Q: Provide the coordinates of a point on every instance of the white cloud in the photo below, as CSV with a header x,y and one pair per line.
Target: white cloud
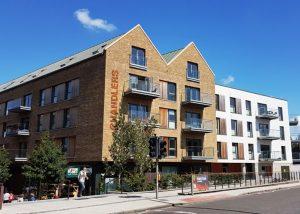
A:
x,y
83,16
228,80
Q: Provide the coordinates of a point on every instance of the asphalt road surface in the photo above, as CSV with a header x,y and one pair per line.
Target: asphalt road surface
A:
x,y
285,201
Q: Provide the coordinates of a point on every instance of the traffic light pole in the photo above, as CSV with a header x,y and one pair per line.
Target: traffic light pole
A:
x,y
157,151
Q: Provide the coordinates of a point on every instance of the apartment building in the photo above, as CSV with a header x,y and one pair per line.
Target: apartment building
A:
x,y
76,99
253,132
295,140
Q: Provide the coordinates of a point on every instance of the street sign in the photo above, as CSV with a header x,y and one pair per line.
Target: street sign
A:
x,y
201,182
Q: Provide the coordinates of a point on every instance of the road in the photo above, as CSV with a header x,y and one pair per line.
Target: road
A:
x,y
285,201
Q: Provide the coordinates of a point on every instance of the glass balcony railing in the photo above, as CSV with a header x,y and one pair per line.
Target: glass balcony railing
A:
x,y
21,129
195,124
268,134
295,137
203,100
198,152
145,88
270,156
267,113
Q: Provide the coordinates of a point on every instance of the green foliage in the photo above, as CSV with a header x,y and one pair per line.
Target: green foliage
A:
x,y
168,181
135,182
225,178
130,144
47,163
4,165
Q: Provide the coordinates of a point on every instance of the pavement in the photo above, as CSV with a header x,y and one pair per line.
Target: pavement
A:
x,y
133,202
283,201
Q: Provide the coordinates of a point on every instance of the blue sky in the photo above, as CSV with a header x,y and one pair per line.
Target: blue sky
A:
x,y
253,42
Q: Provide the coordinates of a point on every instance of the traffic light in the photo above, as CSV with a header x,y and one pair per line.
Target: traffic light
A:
x,y
162,149
152,147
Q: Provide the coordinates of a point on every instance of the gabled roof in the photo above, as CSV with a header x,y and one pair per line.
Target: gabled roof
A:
x,y
66,62
171,55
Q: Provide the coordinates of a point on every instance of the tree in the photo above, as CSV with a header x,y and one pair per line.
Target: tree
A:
x,y
47,163
130,144
4,165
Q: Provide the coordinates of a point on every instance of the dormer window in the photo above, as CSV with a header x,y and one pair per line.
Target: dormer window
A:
x,y
138,58
192,72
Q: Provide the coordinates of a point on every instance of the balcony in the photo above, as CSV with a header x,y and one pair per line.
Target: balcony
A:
x,y
198,153
205,100
268,156
265,113
17,130
295,138
294,120
20,109
198,125
144,117
18,155
268,134
142,89
296,157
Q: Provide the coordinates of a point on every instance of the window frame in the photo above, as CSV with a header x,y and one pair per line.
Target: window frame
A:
x,y
248,108
134,58
236,127
190,71
233,109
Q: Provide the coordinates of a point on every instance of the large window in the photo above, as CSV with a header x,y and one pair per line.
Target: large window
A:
x,y
192,71
168,90
72,89
280,113
249,129
27,100
192,120
138,112
172,147
248,108
194,147
235,154
67,146
12,104
67,118
282,135
53,120
167,118
138,56
233,127
283,153
251,151
262,109
192,94
232,105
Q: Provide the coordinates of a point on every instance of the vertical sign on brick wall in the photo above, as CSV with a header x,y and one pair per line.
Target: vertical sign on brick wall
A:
x,y
114,98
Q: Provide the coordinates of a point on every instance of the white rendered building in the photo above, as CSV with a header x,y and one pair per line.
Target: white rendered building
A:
x,y
253,132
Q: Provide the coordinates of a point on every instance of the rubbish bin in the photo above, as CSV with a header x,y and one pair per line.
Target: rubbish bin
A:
x,y
1,195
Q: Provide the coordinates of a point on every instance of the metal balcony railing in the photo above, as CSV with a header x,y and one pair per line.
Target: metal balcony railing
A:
x,y
270,156
295,138
18,154
21,129
145,88
266,113
268,134
198,153
204,100
198,125
140,63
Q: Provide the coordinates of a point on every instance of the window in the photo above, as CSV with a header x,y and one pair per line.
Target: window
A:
x,y
45,96
42,97
192,120
220,102
171,91
251,151
172,147
233,127
2,109
53,120
235,151
12,104
283,153
249,129
65,144
282,136
43,122
138,56
3,129
262,109
138,112
168,90
71,89
68,146
232,105
192,94
222,150
24,123
54,96
167,118
192,71
280,113
194,147
218,125
248,108
27,100
67,118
